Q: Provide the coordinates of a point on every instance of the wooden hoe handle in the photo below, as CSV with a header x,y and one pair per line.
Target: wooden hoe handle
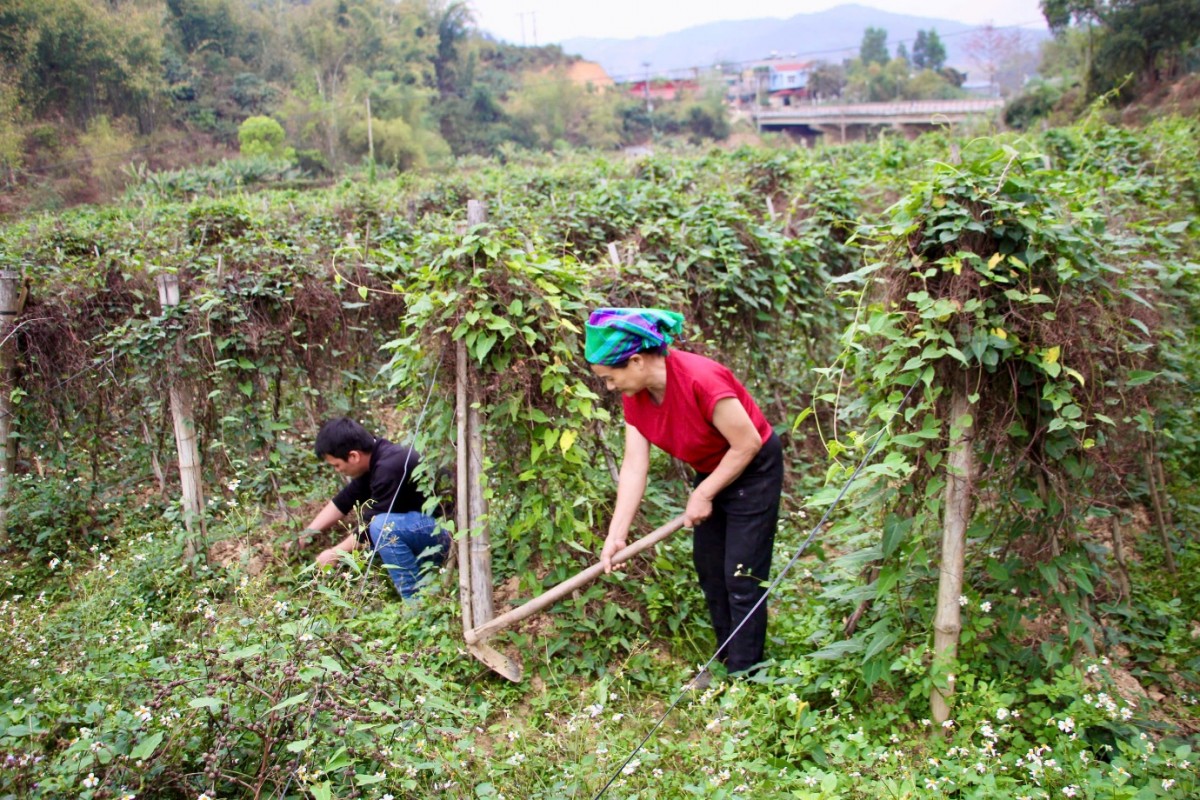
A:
x,y
551,596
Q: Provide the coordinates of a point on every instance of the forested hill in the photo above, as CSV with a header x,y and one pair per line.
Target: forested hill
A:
x,y
95,94
94,82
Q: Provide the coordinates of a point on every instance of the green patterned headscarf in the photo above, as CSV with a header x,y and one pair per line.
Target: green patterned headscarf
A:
x,y
615,334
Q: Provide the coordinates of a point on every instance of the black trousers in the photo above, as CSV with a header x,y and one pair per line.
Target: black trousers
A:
x,y
732,553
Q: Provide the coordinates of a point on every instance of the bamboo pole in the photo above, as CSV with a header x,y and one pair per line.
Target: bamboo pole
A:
x,y
186,443
462,510
480,544
9,287
960,471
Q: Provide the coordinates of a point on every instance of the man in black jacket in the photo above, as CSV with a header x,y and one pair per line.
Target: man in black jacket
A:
x,y
383,489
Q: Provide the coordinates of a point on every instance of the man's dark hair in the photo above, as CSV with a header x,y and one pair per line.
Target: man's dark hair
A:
x,y
338,437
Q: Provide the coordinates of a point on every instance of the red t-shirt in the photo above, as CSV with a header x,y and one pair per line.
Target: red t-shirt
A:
x,y
683,425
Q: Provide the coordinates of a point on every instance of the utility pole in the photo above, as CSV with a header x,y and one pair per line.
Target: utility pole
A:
x,y
532,22
646,86
370,132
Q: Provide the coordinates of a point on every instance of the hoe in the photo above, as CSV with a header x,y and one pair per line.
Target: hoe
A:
x,y
510,668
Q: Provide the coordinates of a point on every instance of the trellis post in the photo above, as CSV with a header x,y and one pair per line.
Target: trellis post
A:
x,y
186,444
480,544
10,283
960,479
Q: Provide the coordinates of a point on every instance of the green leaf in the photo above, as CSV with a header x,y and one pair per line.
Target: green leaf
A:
x,y
211,703
1139,376
322,791
836,650
300,746
243,653
895,529
483,345
363,779
879,644
338,760
145,748
291,701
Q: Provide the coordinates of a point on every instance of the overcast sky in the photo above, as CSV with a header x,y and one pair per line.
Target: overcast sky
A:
x,y
554,20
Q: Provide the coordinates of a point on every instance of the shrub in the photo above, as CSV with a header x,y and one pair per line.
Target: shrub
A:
x,y
262,136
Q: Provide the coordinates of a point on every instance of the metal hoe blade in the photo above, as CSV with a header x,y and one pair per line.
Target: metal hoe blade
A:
x,y
496,661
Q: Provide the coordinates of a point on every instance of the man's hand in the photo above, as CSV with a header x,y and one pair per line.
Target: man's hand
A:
x,y
302,540
699,508
613,544
329,557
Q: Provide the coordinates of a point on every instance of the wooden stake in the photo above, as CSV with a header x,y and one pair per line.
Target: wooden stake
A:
x,y
960,471
155,466
480,544
10,284
613,255
462,511
1156,501
190,475
1118,538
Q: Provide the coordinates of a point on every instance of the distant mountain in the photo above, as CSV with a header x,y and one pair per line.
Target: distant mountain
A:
x,y
830,35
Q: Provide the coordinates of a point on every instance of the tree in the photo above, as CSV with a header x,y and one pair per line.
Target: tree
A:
x,y
928,51
550,110
902,53
874,47
826,80
1148,38
453,22
991,49
261,136
877,83
205,24
10,126
930,85
1060,14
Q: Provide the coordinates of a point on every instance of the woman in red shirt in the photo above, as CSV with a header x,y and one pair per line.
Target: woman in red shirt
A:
x,y
696,410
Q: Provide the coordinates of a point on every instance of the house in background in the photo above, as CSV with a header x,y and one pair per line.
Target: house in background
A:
x,y
787,82
774,82
661,89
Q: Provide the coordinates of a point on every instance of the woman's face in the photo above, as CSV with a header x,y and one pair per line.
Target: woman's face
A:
x,y
628,379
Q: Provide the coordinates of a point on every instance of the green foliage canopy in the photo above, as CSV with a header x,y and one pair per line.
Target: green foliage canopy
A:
x,y
261,136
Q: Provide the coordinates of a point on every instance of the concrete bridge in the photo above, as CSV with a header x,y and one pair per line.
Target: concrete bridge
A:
x,y
853,121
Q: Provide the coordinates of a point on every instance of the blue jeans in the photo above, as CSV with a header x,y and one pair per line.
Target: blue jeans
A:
x,y
406,544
